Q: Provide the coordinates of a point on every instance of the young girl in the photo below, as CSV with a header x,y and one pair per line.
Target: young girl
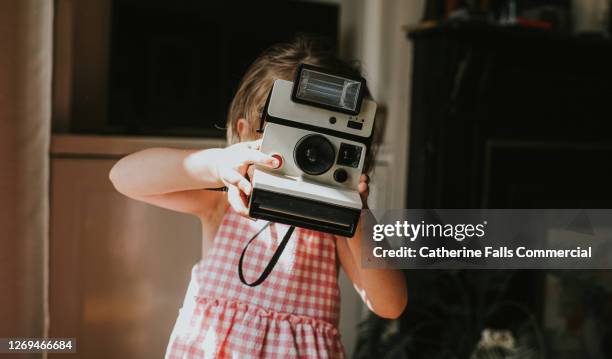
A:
x,y
294,313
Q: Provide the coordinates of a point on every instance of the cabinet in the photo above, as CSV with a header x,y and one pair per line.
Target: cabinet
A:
x,y
509,118
118,268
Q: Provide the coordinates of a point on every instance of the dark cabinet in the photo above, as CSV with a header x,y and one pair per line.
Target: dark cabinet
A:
x,y
506,118
510,118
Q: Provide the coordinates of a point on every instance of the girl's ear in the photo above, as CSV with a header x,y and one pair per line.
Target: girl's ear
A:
x,y
243,129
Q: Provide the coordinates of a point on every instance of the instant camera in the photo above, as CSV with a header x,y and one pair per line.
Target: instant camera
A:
x,y
319,127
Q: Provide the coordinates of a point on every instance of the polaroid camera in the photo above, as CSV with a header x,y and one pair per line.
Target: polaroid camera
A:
x,y
319,127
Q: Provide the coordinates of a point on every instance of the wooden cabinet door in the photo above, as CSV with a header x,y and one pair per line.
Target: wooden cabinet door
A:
x,y
118,268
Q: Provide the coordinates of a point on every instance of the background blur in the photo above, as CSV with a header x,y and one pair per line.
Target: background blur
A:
x,y
486,104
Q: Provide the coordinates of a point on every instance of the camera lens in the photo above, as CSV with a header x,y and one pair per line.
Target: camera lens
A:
x,y
314,154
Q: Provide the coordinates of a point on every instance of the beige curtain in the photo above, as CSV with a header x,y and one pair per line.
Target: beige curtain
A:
x,y
25,116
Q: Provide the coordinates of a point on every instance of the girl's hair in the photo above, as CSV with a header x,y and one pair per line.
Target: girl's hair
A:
x,y
281,62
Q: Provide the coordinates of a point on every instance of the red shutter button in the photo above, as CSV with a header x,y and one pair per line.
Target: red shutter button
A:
x,y
279,158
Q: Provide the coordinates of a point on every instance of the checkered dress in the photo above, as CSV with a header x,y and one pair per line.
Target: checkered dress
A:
x,y
293,314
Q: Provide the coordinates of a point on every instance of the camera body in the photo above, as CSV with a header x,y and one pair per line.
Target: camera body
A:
x,y
321,148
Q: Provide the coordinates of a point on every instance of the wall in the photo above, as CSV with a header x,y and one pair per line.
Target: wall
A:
x,y
373,33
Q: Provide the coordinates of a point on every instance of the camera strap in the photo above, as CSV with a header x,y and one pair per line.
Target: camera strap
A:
x,y
266,272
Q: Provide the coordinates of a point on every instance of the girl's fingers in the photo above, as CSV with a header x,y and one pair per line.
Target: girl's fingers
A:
x,y
234,178
250,171
236,200
364,192
364,178
363,188
254,156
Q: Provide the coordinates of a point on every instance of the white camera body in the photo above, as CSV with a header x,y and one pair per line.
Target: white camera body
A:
x,y
322,155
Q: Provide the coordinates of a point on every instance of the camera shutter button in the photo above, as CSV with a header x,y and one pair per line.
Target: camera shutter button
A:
x,y
279,158
340,175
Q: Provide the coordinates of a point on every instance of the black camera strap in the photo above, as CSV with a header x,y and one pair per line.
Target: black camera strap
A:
x,y
266,272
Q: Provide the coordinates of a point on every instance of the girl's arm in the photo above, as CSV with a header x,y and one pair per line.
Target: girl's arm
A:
x,y
176,179
382,290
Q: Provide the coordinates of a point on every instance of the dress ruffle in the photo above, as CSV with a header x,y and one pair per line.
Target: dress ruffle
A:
x,y
321,326
231,329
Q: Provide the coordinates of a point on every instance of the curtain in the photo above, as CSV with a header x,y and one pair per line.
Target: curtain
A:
x,y
25,116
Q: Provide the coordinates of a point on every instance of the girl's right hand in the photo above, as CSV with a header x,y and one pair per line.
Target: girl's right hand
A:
x,y
231,168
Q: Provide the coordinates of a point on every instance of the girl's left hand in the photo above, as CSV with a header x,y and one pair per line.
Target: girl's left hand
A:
x,y
364,189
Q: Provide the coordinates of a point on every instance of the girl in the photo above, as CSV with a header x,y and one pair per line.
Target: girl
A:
x,y
294,313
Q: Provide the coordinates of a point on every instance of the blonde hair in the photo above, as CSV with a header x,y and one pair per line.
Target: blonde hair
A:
x,y
279,62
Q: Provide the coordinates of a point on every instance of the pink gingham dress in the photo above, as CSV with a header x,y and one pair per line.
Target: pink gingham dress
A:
x,y
293,314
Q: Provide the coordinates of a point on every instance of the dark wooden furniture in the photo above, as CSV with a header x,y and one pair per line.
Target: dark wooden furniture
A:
x,y
503,118
510,118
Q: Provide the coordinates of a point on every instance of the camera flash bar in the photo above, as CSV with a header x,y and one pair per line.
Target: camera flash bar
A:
x,y
317,87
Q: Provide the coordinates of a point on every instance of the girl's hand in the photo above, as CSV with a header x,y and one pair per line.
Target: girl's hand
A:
x,y
231,168
364,189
